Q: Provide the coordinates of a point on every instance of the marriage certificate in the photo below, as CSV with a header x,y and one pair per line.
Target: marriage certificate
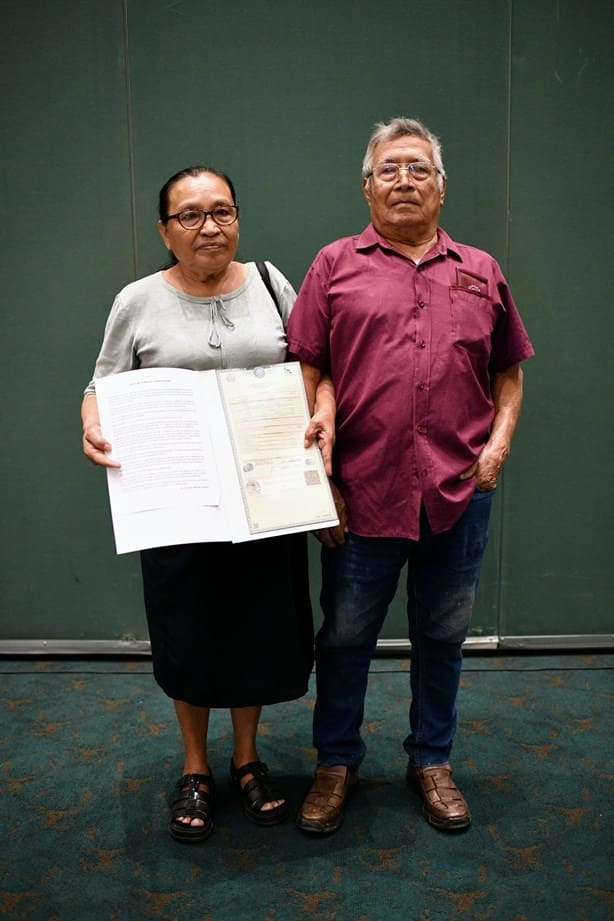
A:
x,y
211,456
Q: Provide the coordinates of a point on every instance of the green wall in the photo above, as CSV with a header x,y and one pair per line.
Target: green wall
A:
x,y
103,100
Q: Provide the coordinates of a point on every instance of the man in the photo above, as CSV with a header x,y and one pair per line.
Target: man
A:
x,y
424,343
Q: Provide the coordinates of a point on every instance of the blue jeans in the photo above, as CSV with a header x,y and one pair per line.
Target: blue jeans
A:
x,y
359,580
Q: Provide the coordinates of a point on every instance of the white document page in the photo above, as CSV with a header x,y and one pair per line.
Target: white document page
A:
x,y
182,450
155,424
282,484
160,423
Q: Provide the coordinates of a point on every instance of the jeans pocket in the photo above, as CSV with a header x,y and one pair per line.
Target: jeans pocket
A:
x,y
481,494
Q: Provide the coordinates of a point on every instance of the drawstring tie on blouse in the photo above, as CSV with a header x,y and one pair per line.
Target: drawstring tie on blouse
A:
x,y
217,312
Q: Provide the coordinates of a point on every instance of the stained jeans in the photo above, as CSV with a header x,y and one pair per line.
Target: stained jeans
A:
x,y
359,580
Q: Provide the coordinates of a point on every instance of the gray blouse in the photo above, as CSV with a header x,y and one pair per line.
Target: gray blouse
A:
x,y
154,325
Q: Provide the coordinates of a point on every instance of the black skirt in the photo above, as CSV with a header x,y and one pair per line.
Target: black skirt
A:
x,y
230,625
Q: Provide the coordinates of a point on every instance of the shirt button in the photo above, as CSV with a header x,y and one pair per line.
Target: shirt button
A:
x,y
421,304
422,344
421,386
421,429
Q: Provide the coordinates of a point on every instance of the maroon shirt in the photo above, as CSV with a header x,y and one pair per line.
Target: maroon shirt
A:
x,y
412,350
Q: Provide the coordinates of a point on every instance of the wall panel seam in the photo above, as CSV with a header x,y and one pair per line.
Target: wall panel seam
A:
x,y
130,129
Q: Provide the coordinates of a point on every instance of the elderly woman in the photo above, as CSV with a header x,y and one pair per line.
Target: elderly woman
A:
x,y
230,624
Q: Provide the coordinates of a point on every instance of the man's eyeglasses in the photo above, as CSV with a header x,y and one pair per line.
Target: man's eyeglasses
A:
x,y
194,218
387,171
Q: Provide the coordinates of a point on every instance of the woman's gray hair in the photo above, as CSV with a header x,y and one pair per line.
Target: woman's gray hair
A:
x,y
397,128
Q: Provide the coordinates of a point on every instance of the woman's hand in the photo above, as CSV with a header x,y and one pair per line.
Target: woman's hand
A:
x,y
95,446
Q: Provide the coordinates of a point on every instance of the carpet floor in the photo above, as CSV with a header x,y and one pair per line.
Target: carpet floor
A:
x,y
90,750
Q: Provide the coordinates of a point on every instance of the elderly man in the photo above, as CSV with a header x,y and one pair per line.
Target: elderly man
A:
x,y
424,343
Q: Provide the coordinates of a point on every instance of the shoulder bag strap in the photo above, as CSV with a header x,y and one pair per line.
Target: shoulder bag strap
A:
x,y
264,273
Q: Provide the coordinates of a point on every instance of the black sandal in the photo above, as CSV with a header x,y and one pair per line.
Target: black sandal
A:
x,y
193,803
256,792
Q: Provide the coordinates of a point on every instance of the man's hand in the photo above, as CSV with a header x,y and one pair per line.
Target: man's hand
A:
x,y
507,397
332,537
486,469
321,430
322,405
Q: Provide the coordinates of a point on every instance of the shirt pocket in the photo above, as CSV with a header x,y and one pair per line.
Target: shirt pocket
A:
x,y
472,320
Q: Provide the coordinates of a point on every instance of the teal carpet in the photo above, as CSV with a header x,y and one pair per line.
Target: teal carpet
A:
x,y
89,752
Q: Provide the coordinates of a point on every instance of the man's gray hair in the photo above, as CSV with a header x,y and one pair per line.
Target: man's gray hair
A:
x,y
402,127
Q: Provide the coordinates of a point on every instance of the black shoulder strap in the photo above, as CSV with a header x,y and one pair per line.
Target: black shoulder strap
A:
x,y
264,272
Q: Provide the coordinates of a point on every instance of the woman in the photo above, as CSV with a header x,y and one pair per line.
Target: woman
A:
x,y
205,311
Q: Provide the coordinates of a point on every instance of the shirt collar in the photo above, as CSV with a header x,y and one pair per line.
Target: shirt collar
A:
x,y
370,238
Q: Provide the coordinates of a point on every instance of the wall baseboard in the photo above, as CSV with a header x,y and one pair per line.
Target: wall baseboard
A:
x,y
387,647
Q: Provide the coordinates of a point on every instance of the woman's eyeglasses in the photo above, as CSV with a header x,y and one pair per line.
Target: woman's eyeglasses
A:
x,y
194,218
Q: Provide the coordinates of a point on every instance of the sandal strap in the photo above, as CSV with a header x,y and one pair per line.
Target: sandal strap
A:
x,y
193,802
193,780
258,790
257,768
